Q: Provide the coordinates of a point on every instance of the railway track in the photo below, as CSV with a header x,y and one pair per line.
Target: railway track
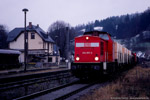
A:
x,y
67,95
71,89
28,86
36,94
46,93
28,82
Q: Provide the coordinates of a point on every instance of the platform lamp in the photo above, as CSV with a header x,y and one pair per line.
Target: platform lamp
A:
x,y
56,38
25,40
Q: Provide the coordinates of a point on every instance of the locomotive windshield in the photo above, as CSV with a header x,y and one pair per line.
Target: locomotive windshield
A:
x,y
104,36
88,34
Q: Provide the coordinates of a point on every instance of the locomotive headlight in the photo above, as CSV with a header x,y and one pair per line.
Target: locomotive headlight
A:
x,y
96,58
87,38
77,58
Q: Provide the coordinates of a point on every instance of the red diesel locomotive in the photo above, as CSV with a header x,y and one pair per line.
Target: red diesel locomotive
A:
x,y
96,54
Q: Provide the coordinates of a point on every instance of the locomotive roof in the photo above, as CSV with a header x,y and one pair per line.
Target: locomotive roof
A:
x,y
7,51
99,32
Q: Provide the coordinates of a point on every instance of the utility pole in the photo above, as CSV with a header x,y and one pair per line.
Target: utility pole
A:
x,y
25,40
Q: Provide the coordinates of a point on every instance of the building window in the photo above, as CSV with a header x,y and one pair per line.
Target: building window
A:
x,y
50,59
32,35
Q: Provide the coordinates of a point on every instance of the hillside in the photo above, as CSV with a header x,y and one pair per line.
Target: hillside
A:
x,y
139,43
132,31
125,26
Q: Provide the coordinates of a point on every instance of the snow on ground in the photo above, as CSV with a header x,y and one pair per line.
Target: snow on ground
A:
x,y
98,28
141,54
83,30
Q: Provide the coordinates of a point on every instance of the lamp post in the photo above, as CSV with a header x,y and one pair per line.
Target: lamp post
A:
x,y
25,40
56,37
67,47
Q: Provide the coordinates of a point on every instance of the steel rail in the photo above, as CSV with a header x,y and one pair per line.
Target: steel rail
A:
x,y
33,95
75,91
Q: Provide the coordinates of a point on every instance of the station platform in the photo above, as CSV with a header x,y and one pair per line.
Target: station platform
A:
x,y
21,72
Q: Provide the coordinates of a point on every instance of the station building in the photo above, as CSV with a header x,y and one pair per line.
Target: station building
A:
x,y
40,45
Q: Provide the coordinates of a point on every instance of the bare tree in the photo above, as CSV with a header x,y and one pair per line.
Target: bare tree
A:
x,y
3,37
57,26
58,31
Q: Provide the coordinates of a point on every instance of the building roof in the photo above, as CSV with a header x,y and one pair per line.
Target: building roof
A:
x,y
14,33
8,51
17,31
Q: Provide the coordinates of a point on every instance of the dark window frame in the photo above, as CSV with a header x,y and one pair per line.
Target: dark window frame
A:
x,y
49,59
32,35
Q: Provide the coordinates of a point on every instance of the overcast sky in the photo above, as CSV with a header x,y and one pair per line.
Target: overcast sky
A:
x,y
74,12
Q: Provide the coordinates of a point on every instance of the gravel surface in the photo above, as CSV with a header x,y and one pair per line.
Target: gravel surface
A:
x,y
58,93
86,91
21,91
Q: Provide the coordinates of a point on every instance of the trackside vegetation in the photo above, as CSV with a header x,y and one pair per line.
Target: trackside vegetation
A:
x,y
134,85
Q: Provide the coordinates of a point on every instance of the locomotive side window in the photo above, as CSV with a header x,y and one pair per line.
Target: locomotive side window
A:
x,y
104,36
102,48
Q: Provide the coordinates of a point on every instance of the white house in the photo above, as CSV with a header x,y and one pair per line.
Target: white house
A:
x,y
40,45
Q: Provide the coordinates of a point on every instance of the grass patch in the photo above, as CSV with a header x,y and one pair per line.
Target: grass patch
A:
x,y
135,85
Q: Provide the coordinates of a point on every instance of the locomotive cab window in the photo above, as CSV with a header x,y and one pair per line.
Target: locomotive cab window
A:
x,y
104,36
102,48
95,34
89,34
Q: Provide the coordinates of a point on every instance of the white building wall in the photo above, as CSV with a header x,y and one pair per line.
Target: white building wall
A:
x,y
21,58
33,44
54,59
18,44
50,48
36,43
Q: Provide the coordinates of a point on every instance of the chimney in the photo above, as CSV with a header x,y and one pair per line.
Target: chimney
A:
x,y
37,25
47,34
30,24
